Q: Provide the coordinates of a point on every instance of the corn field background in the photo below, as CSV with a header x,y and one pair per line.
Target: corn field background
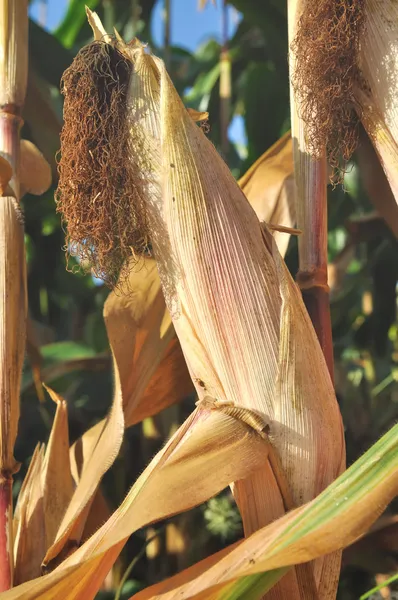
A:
x,y
68,337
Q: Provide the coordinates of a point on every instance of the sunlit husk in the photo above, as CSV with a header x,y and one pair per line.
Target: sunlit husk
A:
x,y
378,98
241,323
227,288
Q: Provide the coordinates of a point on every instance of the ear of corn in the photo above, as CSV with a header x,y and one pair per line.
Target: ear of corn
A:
x,y
378,97
234,306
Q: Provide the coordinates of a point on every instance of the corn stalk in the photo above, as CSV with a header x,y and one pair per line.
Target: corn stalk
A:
x,y
311,187
13,74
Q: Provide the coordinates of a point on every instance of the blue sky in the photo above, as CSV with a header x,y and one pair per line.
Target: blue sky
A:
x,y
189,27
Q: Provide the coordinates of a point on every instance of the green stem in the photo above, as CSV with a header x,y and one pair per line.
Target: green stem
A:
x,y
133,563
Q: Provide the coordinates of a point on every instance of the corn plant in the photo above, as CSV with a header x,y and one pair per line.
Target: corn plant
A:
x,y
203,299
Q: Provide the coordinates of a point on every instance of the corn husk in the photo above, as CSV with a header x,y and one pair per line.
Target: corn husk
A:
x,y
378,108
232,301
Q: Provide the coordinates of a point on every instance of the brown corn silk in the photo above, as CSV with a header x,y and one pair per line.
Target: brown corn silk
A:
x,y
239,317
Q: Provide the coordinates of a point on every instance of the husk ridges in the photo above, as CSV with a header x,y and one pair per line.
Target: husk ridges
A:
x,y
99,191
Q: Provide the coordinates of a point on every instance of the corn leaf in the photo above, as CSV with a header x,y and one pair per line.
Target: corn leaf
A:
x,y
34,172
269,187
151,369
335,519
28,524
104,442
211,447
44,498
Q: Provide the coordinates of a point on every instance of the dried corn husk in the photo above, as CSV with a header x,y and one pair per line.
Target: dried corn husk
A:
x,y
377,98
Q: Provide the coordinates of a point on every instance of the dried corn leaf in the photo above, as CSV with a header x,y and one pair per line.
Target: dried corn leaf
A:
x,y
104,442
336,518
29,524
44,497
269,186
34,171
56,474
150,374
151,368
211,447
